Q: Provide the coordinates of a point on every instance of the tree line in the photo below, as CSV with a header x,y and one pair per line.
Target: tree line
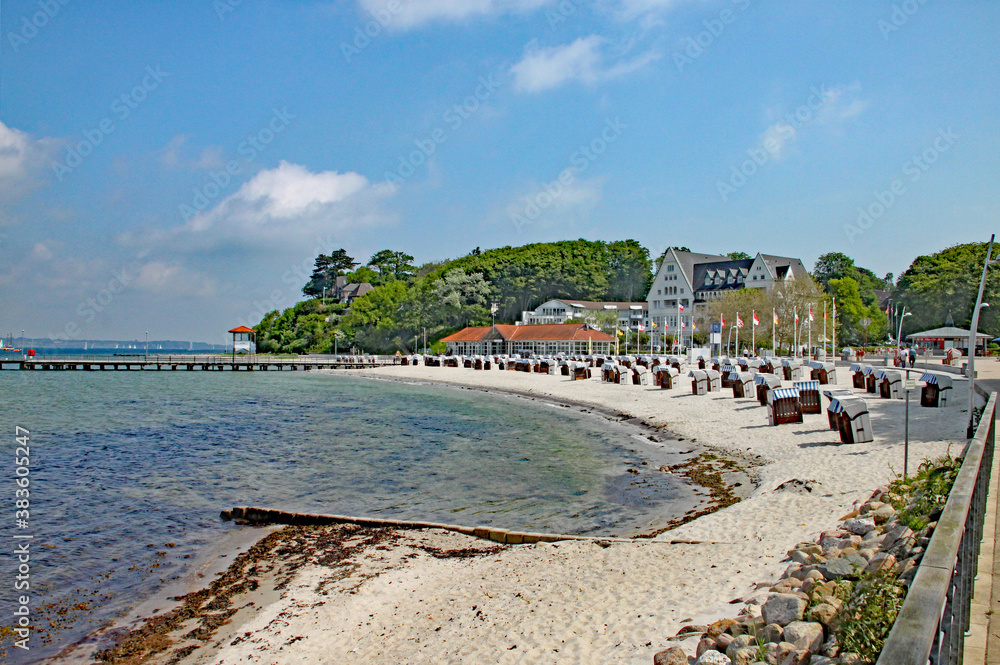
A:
x,y
438,298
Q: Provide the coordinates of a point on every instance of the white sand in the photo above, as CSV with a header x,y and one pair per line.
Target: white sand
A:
x,y
579,602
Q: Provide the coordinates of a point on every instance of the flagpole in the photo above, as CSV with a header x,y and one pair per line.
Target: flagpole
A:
x,y
795,333
834,329
737,351
774,332
810,347
753,331
824,328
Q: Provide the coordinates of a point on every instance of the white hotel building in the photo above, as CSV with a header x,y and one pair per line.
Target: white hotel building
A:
x,y
693,280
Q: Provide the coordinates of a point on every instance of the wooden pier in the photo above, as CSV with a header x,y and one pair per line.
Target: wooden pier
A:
x,y
255,363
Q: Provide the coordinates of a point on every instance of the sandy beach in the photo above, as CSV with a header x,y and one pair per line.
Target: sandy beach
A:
x,y
439,597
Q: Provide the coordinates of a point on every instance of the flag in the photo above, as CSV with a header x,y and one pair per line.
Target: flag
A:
x,y
680,307
653,324
887,308
683,325
722,320
693,325
810,313
640,327
775,318
756,319
493,308
796,317
739,321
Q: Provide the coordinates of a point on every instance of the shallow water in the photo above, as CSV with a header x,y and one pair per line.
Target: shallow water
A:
x,y
129,471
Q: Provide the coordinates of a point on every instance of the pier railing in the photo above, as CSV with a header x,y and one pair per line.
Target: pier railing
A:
x,y
934,618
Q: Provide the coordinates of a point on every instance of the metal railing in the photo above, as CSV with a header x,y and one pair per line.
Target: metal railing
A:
x,y
934,618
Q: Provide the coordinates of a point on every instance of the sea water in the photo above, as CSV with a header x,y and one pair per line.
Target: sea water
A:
x,y
129,470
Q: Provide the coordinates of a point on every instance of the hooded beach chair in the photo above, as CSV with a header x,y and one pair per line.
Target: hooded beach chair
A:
x,y
809,396
937,388
783,406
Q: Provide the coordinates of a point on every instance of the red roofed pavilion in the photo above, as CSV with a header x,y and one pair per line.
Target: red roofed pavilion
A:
x,y
243,338
539,339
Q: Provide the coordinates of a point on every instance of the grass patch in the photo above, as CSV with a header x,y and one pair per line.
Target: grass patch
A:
x,y
869,610
923,495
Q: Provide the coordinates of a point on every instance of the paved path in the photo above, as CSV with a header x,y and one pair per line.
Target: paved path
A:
x,y
982,644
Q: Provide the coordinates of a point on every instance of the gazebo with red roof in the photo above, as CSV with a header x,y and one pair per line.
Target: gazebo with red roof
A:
x,y
243,339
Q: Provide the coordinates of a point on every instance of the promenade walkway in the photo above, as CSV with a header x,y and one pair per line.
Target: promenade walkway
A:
x,y
982,644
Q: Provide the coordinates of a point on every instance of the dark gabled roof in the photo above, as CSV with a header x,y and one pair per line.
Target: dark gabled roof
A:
x,y
734,268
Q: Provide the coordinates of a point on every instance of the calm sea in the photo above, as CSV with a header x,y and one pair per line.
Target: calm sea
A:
x,y
129,471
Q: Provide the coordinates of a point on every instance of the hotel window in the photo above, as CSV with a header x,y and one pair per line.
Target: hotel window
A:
x,y
670,268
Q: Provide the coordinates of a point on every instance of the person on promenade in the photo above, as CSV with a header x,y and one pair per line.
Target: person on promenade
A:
x,y
913,356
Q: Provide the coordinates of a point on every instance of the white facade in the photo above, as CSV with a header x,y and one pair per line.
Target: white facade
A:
x,y
686,282
630,314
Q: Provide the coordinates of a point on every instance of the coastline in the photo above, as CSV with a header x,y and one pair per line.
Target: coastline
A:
x,y
596,601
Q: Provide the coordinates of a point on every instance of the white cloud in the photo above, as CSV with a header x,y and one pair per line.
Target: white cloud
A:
x,y
582,60
22,159
281,208
824,106
414,13
175,280
553,205
174,155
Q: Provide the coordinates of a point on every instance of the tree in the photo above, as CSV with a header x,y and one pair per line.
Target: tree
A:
x,y
834,265
850,310
462,299
630,271
947,283
391,265
327,268
739,256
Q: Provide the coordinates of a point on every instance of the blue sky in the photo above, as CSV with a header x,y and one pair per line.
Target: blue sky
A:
x,y
176,166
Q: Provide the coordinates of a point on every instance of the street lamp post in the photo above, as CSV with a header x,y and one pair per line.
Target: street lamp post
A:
x,y
973,331
899,331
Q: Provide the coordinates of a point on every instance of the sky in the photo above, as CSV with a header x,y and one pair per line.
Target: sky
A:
x,y
175,167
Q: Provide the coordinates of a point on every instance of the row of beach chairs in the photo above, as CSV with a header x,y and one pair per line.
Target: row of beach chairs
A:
x,y
888,384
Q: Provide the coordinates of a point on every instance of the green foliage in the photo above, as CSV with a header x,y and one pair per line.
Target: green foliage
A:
x,y
851,309
925,492
361,275
390,265
445,296
327,268
836,266
869,609
947,282
739,256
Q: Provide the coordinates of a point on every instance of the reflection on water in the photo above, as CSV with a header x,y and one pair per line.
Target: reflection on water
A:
x,y
130,470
